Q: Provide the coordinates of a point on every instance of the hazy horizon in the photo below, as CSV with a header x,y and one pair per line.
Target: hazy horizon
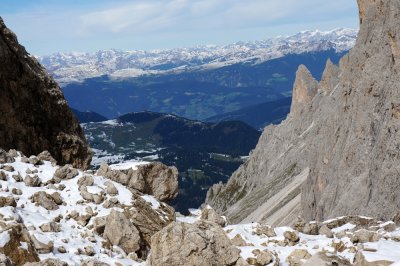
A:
x,y
45,27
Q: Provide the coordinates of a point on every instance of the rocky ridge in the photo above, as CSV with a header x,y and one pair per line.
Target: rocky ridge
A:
x,y
34,115
337,152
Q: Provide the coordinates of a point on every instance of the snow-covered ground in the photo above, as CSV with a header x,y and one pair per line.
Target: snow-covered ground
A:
x,y
75,240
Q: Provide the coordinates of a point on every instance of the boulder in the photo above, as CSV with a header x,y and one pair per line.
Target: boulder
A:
x,y
111,189
34,160
201,243
324,230
6,157
311,228
86,180
264,229
3,176
324,258
46,156
209,214
48,262
364,236
45,200
32,181
8,168
42,244
99,224
297,257
96,198
238,241
121,232
50,227
291,236
65,172
8,201
360,260
94,263
154,179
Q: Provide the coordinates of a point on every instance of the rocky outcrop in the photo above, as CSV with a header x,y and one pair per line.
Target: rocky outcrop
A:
x,y
154,179
202,243
338,151
34,115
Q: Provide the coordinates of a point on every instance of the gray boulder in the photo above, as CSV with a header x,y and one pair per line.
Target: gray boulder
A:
x,y
202,243
154,179
45,200
121,232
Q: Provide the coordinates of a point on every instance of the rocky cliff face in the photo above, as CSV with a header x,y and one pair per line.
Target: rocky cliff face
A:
x,y
34,115
337,153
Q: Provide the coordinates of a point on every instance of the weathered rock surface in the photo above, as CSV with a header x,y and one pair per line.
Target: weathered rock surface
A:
x,y
13,249
323,258
361,261
202,243
337,153
148,220
34,115
121,232
45,200
154,179
4,260
47,262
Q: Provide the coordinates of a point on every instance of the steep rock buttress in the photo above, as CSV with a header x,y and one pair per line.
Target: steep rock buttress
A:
x,y
338,152
34,115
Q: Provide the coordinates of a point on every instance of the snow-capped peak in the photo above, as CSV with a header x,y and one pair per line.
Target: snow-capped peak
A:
x,y
76,66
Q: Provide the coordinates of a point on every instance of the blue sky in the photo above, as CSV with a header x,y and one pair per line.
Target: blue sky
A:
x,y
48,26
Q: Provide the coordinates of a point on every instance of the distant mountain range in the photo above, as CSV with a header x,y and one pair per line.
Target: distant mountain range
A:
x,y
77,66
204,153
208,83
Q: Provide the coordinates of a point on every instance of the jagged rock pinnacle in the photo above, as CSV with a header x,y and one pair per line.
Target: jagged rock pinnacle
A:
x,y
304,90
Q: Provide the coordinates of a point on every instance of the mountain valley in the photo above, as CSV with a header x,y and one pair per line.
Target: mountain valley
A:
x,y
204,153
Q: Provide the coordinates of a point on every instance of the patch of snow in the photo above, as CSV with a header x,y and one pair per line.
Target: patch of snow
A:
x,y
4,238
150,199
127,165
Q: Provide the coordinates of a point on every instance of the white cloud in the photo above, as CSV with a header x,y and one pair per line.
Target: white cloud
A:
x,y
176,15
165,23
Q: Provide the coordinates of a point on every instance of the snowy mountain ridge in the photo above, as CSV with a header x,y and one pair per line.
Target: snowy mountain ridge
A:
x,y
76,66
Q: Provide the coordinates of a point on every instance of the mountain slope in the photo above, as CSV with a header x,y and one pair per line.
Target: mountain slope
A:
x,y
260,115
338,149
204,153
31,105
88,116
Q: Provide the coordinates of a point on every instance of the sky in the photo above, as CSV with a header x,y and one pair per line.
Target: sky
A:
x,y
48,26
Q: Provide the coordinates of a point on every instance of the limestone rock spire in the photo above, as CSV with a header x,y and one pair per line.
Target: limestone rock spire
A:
x,y
304,90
